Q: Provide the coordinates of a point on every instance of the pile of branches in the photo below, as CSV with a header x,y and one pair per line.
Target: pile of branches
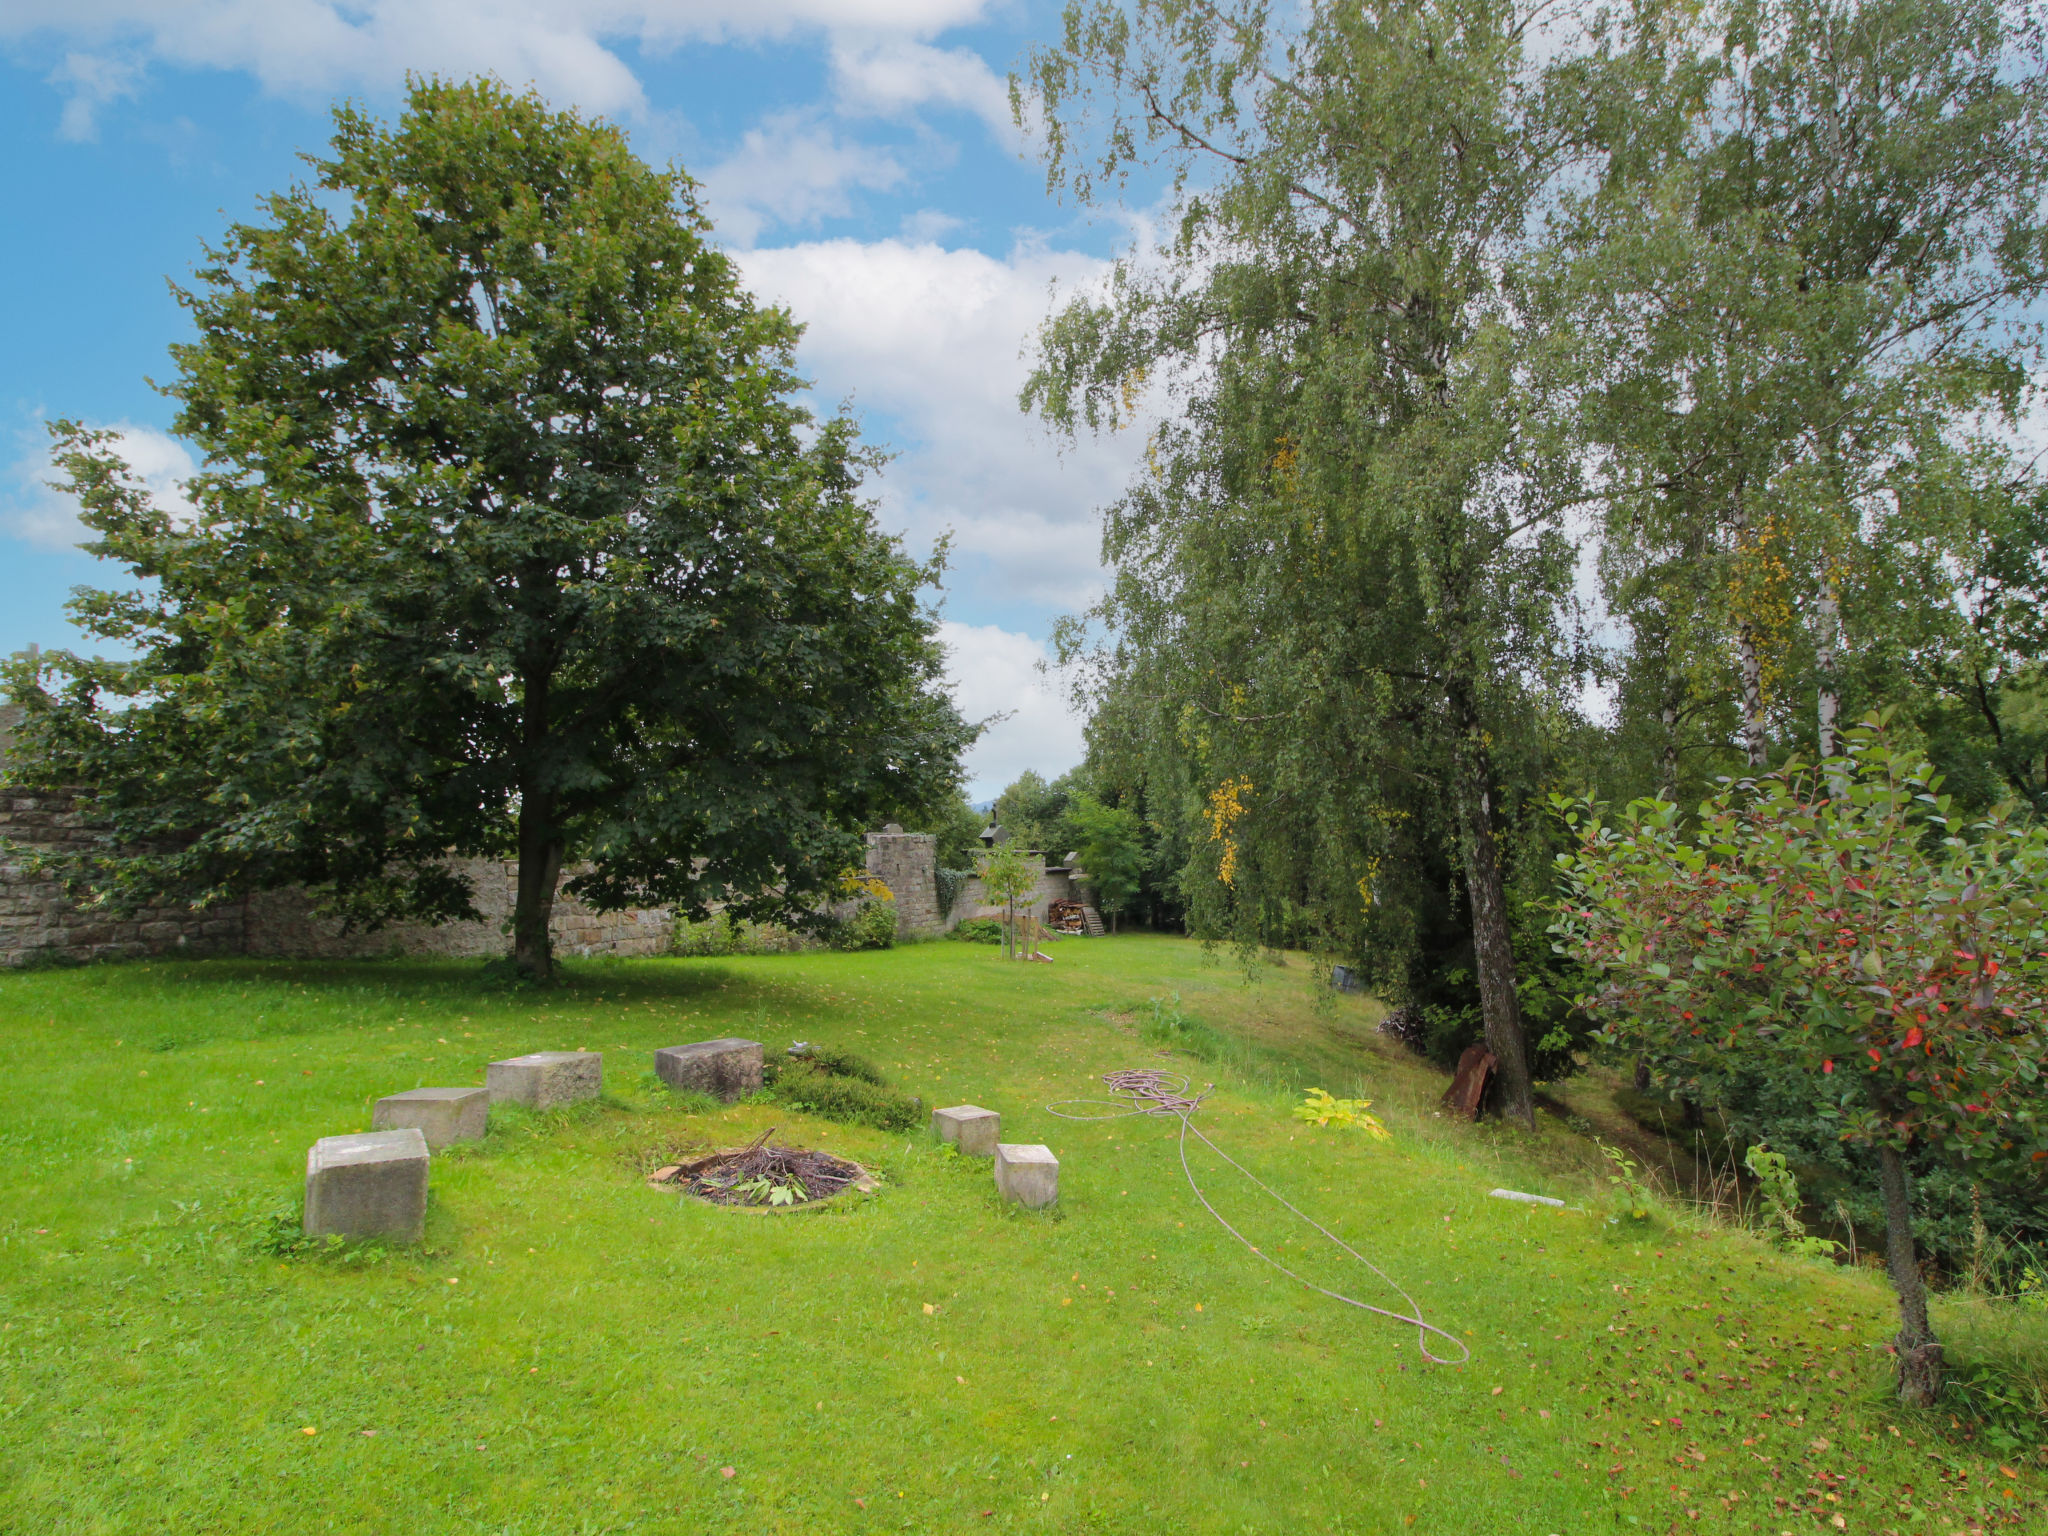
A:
x,y
1407,1025
761,1174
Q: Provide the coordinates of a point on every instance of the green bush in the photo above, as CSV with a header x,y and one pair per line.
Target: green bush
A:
x,y
720,934
978,930
803,1084
716,935
829,1059
839,1063
872,925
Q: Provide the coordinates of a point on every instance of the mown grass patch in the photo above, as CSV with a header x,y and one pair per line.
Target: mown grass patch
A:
x,y
571,1351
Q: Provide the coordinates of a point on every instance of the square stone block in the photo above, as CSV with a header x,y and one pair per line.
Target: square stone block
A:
x,y
371,1185
725,1069
1029,1175
969,1127
546,1078
441,1115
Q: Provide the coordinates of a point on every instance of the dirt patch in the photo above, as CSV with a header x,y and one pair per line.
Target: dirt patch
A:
x,y
763,1175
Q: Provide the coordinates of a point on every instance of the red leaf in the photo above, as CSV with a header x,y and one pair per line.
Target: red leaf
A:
x,y
1914,1036
1828,1066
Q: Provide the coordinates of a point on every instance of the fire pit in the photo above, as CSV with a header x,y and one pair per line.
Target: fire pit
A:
x,y
763,1177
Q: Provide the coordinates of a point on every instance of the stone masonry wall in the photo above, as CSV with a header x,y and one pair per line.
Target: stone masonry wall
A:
x,y
39,922
908,863
283,923
1058,882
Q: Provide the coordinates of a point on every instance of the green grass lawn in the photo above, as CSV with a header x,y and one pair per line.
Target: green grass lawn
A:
x,y
575,1352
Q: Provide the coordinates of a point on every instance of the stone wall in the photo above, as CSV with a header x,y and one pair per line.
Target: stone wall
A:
x,y
38,922
1056,882
283,923
908,863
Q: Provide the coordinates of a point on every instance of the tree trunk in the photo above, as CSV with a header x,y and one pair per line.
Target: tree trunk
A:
x,y
540,866
1668,788
1492,939
1753,744
1827,650
1919,1350
540,840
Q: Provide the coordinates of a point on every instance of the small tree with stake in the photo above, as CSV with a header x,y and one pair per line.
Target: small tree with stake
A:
x,y
1834,925
1006,875
513,540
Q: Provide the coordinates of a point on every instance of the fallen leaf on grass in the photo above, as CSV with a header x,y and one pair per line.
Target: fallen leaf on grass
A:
x,y
728,1472
929,1309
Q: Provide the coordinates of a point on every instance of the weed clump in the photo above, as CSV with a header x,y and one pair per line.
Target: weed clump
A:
x,y
1167,1025
833,1060
840,1085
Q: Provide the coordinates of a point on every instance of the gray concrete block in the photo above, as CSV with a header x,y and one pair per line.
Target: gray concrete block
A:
x,y
441,1115
1029,1175
725,1069
546,1078
371,1185
969,1127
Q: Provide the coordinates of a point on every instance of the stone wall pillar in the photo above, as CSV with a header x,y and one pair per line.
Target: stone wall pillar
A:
x,y
908,863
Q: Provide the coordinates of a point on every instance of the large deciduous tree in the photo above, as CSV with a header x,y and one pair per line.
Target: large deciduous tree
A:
x,y
1342,592
511,540
1813,279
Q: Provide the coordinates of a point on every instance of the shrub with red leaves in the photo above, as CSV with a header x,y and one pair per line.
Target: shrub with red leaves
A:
x,y
1833,924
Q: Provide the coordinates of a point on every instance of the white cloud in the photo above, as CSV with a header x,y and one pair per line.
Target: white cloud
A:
x,y
565,47
929,225
993,671
33,510
892,77
792,170
90,81
936,339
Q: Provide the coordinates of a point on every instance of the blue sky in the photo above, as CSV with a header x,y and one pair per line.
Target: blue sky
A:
x,y
857,156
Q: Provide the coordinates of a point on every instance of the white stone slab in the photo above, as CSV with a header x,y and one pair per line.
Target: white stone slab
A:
x,y
546,1078
969,1127
1027,1174
369,1185
725,1069
442,1115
